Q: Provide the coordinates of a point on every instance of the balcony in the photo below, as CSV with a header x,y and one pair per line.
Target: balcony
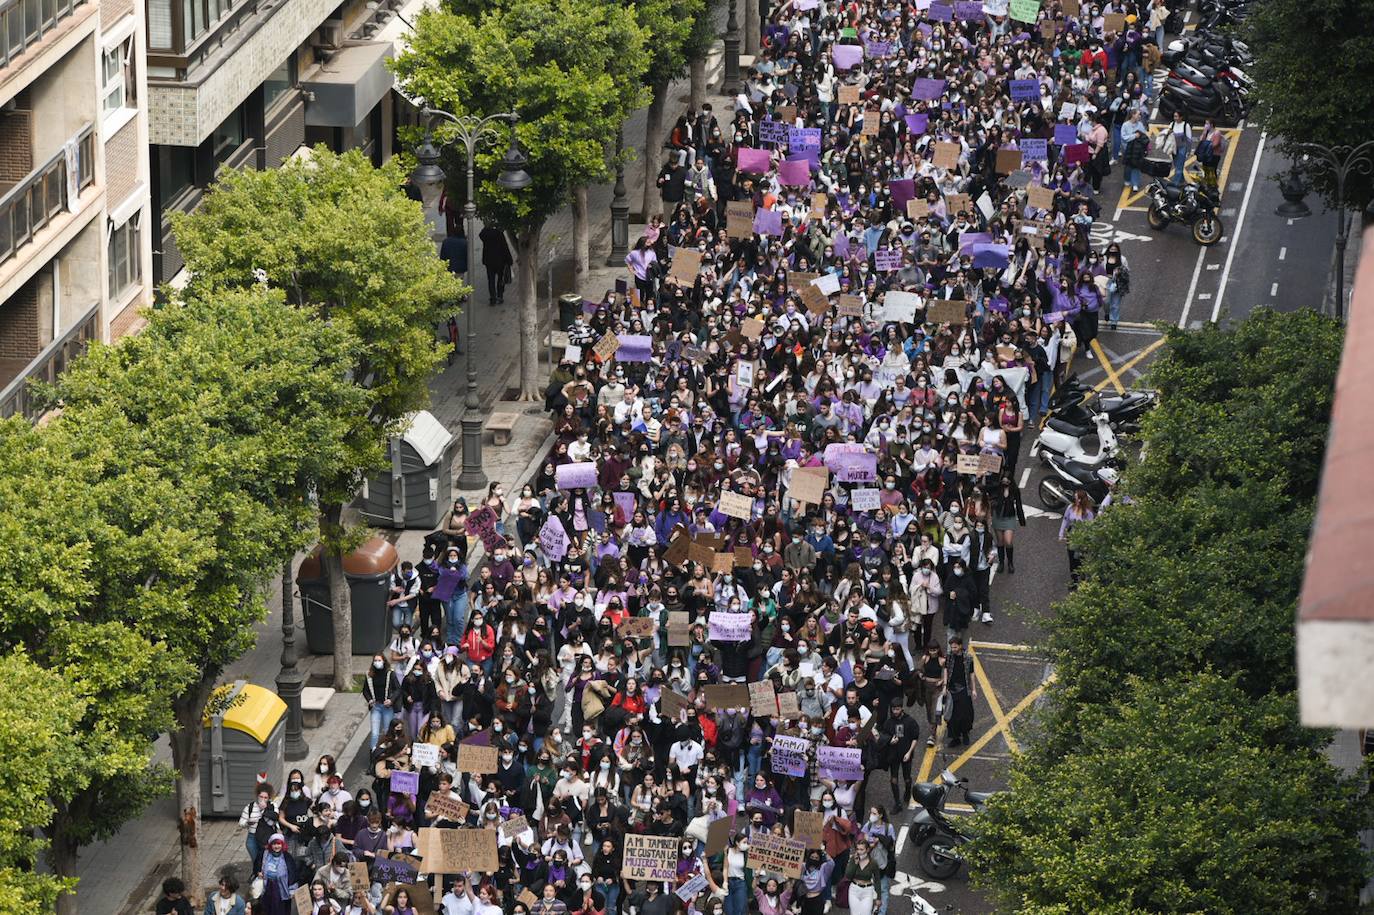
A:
x,y
46,366
23,23
32,204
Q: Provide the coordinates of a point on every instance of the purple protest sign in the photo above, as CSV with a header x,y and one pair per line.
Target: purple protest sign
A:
x,y
1024,90
901,190
847,56
576,476
800,138
842,245
968,9
482,522
878,48
804,5
728,627
553,539
794,173
840,763
989,256
812,158
635,348
856,468
772,132
940,12
1076,153
887,259
967,241
1034,150
789,755
405,783
927,89
768,222
917,123
754,160
1064,134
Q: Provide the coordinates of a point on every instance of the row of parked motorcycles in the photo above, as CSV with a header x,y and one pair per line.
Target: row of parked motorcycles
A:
x,y
1079,441
1207,77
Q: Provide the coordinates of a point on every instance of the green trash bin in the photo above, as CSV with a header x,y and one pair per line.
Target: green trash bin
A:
x,y
368,571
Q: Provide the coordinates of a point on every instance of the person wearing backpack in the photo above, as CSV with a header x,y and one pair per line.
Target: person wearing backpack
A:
x,y
1211,149
1118,281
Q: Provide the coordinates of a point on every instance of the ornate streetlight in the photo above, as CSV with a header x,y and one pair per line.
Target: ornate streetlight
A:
x,y
1341,161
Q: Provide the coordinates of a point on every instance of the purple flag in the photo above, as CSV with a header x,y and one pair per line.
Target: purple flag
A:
x,y
794,173
846,56
754,160
768,222
927,89
1064,134
917,123
1024,90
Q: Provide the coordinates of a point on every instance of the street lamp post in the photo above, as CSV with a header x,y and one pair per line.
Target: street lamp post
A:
x,y
620,209
1341,161
731,82
472,131
289,678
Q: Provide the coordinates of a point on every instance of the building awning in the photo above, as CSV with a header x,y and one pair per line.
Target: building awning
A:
x,y
350,85
1336,607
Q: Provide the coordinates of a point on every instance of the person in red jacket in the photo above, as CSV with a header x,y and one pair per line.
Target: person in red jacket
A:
x,y
480,643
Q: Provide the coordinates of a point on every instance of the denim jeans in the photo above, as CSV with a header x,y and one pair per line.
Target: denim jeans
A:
x,y
1116,141
1046,389
402,615
736,897
456,616
254,852
1180,156
1114,305
380,717
612,892
1132,177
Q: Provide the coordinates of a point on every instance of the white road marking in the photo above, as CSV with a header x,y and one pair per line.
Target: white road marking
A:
x,y
1283,253
1234,186
1033,512
1240,223
901,838
1025,475
1192,287
1214,266
1274,289
1203,295
1290,222
1229,211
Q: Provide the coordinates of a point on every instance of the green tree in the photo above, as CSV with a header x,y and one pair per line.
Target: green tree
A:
x,y
568,68
1187,796
221,412
1311,79
675,38
340,237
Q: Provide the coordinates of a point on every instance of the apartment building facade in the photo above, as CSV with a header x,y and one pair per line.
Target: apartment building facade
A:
x,y
75,254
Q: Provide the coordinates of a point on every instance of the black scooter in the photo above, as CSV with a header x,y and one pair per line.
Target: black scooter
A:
x,y
937,836
1192,204
1074,405
1199,98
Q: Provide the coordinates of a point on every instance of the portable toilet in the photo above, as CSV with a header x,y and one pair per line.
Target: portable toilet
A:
x,y
244,739
419,487
368,572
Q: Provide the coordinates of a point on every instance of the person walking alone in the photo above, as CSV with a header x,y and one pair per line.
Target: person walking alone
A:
x,y
497,258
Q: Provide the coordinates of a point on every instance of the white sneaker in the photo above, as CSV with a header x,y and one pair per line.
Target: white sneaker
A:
x,y
987,617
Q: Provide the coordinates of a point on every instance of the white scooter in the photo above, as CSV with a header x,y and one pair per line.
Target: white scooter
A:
x,y
1070,447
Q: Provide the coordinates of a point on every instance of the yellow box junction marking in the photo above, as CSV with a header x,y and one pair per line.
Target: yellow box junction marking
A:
x,y
1112,377
1192,171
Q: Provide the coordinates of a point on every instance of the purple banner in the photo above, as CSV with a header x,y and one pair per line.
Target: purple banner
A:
x,y
794,173
918,123
840,763
1034,150
1024,90
940,12
846,56
772,132
754,160
1064,134
927,89
635,348
768,222
576,476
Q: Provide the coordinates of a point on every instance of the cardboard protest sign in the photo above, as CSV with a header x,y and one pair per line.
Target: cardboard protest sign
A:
x,y
763,701
470,849
718,835
849,95
649,857
357,876
422,754
917,208
722,562
1114,23
864,500
421,900
396,868
958,203
403,782
727,695
635,627
576,476
1071,8
966,463
946,311
477,759
850,306
301,897
679,629
751,328
448,808
673,703
989,463
729,627
679,548
872,121
814,300
1040,197
702,554
789,755
512,827
1049,29
744,557
1008,160
739,218
606,347
527,897
776,854
840,763
809,484
946,155
686,266
788,707
818,202
808,827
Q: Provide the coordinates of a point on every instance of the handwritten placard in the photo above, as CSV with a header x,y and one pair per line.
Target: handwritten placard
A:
x,y
946,311
403,782
735,505
635,627
686,266
477,759
727,695
850,306
443,806
790,755
576,476
788,707
679,629
763,700
808,827
649,858
510,828
739,218
946,155
729,627
840,763
849,95
396,867
774,853
422,754
865,499
809,484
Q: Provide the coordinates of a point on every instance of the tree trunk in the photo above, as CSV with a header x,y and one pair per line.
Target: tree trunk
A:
x,y
189,709
698,94
751,27
62,857
652,153
582,240
526,263
340,597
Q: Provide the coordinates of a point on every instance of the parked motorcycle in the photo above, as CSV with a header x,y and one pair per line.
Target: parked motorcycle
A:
x,y
937,836
1072,410
1200,97
1062,440
1057,492
1210,49
1195,205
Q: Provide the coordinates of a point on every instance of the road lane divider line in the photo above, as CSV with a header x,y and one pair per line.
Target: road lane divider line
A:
x,y
1240,223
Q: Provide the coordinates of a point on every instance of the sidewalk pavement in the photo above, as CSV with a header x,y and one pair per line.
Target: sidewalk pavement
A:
x,y
123,875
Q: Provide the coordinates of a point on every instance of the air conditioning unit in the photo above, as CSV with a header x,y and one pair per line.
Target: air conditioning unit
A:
x,y
330,34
